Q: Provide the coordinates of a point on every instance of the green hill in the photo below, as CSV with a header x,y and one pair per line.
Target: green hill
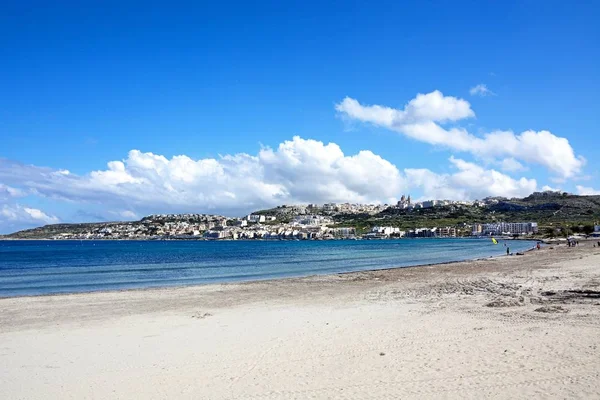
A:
x,y
549,209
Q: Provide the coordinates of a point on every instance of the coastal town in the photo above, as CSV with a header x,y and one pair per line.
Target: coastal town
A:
x,y
304,227
294,222
337,221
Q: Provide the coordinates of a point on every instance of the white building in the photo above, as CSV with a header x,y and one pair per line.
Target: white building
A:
x,y
344,232
387,230
311,220
430,203
255,218
510,228
329,207
221,234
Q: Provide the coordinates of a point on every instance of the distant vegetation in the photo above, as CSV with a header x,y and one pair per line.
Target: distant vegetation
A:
x,y
567,210
557,214
550,210
57,229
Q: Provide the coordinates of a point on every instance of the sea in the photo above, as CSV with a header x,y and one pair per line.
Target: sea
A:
x,y
29,268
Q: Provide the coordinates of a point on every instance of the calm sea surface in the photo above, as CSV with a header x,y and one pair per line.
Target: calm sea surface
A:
x,y
42,267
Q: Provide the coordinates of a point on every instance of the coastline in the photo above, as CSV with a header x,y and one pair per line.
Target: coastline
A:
x,y
280,280
270,279
266,280
203,239
505,327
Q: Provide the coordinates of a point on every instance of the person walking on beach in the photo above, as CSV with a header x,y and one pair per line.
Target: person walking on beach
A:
x,y
507,251
538,245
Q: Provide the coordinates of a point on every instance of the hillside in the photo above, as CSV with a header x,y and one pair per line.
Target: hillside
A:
x,y
148,227
549,210
47,231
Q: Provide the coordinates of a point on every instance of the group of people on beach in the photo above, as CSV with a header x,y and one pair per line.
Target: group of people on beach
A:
x,y
573,243
538,246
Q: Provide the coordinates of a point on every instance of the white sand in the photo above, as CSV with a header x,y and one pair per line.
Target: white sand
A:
x,y
422,332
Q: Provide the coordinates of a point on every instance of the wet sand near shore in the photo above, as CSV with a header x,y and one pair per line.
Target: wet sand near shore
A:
x,y
508,327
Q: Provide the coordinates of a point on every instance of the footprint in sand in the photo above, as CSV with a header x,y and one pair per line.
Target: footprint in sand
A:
x,y
201,315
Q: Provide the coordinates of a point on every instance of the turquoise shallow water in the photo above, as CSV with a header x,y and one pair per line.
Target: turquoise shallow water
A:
x,y
44,267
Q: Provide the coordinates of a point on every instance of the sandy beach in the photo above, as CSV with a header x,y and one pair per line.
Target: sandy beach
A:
x,y
507,328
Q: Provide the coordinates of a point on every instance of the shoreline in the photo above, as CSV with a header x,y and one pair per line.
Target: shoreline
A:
x,y
241,282
372,276
265,280
506,327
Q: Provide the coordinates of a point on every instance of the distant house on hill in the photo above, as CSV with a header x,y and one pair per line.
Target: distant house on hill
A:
x,y
255,218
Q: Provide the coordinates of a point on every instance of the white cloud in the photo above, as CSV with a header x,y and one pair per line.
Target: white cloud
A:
x,y
7,192
587,191
432,106
15,215
547,188
38,215
481,90
128,214
125,215
421,117
511,165
469,182
298,170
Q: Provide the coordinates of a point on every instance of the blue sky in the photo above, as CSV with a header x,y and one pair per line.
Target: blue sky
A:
x,y
252,96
